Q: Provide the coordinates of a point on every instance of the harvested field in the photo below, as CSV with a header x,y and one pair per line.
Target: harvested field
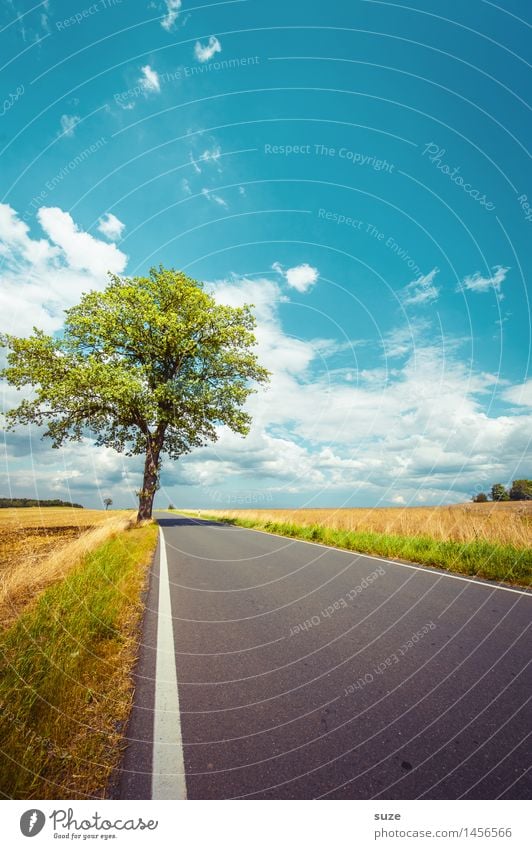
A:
x,y
30,534
39,545
66,662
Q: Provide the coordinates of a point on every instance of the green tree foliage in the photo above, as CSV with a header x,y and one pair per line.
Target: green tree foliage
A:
x,y
108,502
150,366
499,492
521,490
480,498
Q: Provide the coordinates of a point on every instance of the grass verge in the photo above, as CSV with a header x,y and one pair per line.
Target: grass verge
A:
x,y
65,674
480,558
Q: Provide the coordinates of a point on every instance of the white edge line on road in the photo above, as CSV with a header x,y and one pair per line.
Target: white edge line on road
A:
x,y
427,569
168,770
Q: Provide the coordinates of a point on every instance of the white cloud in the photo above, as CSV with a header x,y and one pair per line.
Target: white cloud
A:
x,y
204,52
81,250
421,291
300,277
185,185
520,394
68,125
111,226
400,341
76,472
39,278
418,433
172,13
214,198
477,283
149,81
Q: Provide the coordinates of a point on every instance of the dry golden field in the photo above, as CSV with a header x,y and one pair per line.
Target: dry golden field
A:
x,y
505,523
39,545
66,685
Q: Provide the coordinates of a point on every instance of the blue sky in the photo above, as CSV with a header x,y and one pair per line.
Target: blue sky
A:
x,y
357,170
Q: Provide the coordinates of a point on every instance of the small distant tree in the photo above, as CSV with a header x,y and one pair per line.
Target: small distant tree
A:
x,y
480,498
521,490
107,502
499,492
151,366
171,507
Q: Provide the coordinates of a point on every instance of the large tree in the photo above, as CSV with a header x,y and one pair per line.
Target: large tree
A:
x,y
499,492
150,366
521,490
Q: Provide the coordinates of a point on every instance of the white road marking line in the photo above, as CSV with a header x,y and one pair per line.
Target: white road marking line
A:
x,y
478,582
168,778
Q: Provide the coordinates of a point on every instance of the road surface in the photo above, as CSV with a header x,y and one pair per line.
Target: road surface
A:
x,y
272,668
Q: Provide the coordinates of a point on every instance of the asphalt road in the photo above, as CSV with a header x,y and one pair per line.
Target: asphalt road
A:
x,y
407,683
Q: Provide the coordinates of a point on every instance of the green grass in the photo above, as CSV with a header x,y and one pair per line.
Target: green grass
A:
x,y
65,674
483,559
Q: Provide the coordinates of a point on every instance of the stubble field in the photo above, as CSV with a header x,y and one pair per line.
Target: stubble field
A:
x,y
71,585
38,545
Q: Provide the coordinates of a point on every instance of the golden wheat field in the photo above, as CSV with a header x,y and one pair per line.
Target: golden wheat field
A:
x,y
506,522
39,545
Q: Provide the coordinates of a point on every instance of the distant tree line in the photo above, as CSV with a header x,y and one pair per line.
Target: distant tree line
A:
x,y
520,490
32,502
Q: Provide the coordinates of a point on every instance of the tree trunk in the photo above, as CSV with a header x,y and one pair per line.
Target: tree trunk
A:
x,y
151,478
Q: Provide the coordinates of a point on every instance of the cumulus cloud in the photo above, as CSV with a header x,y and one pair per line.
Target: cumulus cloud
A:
x,y
68,125
76,472
419,433
111,226
521,395
204,52
81,250
300,277
421,291
39,278
172,13
478,283
149,81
